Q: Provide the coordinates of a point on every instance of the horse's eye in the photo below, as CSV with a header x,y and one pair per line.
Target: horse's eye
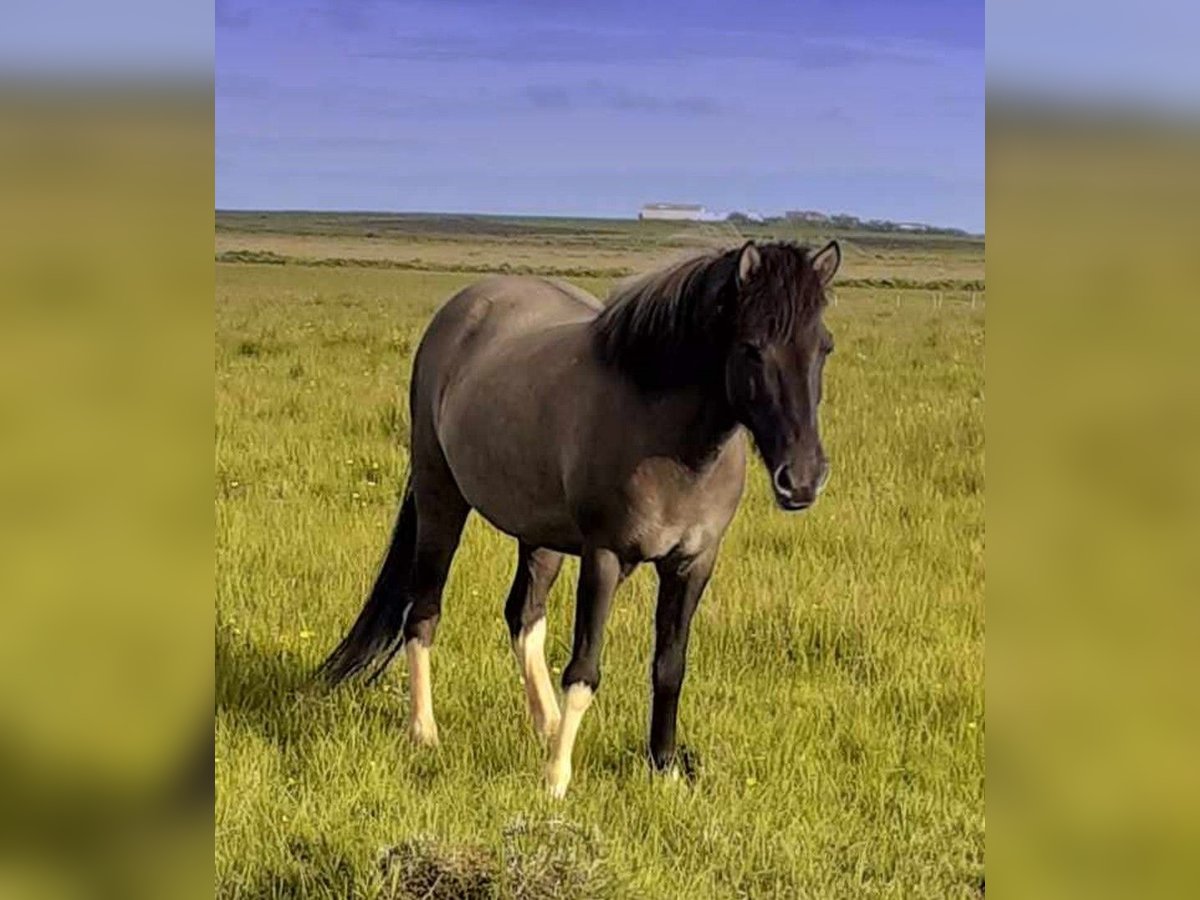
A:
x,y
752,353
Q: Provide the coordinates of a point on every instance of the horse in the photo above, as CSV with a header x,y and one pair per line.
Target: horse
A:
x,y
614,432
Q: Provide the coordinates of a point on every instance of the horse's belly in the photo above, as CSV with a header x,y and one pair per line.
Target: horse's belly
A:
x,y
522,509
514,482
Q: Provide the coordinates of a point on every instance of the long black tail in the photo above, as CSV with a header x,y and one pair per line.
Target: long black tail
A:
x,y
375,634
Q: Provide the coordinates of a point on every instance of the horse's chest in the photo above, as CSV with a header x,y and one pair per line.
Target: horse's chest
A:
x,y
673,510
659,540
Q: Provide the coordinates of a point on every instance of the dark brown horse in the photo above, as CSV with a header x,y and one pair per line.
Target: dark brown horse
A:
x,y
611,432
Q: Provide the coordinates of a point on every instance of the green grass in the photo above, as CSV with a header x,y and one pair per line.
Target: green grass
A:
x,y
834,693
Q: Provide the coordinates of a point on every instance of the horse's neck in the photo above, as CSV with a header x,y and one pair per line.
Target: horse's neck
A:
x,y
703,424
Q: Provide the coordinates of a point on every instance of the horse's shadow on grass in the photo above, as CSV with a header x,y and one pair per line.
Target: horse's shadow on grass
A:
x,y
279,694
258,688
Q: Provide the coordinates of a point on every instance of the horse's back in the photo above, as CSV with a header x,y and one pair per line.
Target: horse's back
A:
x,y
507,305
477,321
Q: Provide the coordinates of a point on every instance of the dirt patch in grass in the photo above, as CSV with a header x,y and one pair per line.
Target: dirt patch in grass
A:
x,y
546,860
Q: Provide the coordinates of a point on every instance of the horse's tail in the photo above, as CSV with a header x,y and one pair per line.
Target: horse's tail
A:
x,y
376,631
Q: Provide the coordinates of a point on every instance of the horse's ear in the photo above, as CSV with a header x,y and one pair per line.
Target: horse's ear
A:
x,y
748,261
826,261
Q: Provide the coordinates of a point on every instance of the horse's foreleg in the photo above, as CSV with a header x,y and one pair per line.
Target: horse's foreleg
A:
x,y
600,573
440,521
681,582
525,612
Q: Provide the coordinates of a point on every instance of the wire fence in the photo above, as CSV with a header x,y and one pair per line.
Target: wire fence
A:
x,y
930,299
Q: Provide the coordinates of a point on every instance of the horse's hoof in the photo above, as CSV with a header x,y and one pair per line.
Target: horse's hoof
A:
x,y
423,733
689,764
557,779
684,765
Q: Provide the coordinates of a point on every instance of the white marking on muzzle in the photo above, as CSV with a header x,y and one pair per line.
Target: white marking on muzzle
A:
x,y
786,493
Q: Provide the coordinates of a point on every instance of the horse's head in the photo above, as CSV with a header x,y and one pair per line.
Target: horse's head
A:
x,y
774,369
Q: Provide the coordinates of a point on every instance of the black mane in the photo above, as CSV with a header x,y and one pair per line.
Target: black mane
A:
x,y
675,325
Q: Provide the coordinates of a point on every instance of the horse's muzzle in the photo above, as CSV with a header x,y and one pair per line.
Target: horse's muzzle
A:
x,y
792,497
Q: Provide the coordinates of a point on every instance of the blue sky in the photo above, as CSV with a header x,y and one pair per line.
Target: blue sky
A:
x,y
576,108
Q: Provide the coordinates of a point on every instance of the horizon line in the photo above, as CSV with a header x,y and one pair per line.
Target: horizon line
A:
x,y
966,232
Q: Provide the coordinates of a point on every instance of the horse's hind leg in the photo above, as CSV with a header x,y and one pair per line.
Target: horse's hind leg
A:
x,y
441,514
525,612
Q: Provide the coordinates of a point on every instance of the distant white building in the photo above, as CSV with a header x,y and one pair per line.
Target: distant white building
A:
x,y
676,212
806,215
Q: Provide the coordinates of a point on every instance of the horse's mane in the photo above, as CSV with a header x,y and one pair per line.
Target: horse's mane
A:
x,y
663,327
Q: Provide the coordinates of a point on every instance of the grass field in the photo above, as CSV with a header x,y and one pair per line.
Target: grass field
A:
x,y
834,693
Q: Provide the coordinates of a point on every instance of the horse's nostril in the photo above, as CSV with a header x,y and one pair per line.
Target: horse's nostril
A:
x,y
783,481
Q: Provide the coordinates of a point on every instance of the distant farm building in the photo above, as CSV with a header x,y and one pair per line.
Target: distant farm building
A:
x,y
806,215
676,212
